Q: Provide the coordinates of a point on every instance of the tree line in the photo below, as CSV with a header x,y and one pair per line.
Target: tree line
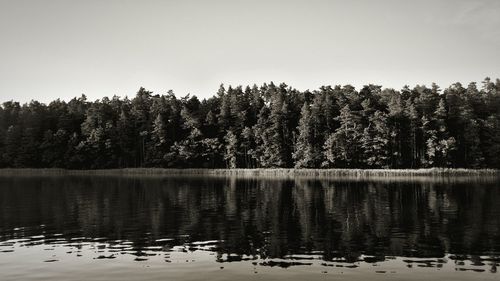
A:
x,y
266,126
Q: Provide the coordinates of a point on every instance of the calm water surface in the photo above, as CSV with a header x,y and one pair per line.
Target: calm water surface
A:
x,y
206,228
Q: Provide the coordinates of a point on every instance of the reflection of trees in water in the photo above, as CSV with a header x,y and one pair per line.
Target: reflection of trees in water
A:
x,y
269,218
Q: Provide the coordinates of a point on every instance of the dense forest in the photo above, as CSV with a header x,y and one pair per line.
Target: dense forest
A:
x,y
261,127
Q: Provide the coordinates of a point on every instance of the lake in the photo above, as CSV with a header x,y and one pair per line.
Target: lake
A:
x,y
228,228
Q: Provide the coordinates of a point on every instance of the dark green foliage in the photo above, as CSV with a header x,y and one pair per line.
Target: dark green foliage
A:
x,y
375,141
157,146
304,154
261,127
231,152
439,144
344,147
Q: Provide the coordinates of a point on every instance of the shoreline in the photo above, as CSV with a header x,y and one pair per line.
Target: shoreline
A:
x,y
264,172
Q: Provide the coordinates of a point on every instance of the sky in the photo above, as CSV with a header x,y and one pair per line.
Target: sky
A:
x,y
63,48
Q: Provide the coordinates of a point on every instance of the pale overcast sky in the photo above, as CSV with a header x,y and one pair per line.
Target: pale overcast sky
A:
x,y
60,49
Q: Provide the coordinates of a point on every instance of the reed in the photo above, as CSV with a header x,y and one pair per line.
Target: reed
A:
x,y
280,172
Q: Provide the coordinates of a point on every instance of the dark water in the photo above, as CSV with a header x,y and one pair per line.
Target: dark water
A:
x,y
160,228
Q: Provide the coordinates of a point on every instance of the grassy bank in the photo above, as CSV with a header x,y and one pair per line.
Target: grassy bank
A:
x,y
264,172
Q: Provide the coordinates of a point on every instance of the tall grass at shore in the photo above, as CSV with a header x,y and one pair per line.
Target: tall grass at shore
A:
x,y
264,172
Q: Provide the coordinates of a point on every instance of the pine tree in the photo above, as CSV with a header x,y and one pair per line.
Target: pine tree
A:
x,y
12,147
343,148
375,141
211,151
249,147
439,144
304,151
189,150
210,125
415,135
224,116
231,150
126,140
262,138
492,141
396,121
158,145
54,147
470,140
276,135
